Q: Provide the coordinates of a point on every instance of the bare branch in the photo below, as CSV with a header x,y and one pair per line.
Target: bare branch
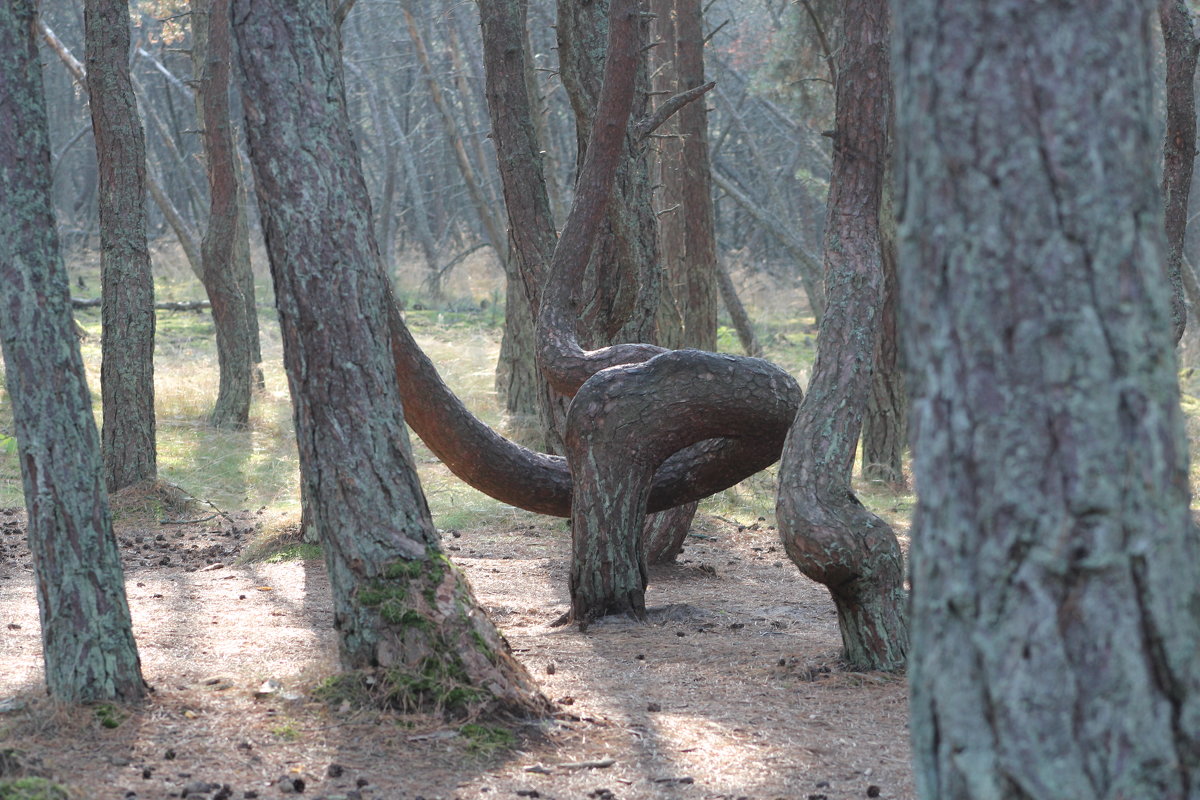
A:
x,y
649,124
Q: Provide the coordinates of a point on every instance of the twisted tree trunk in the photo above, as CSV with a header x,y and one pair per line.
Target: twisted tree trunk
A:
x,y
826,531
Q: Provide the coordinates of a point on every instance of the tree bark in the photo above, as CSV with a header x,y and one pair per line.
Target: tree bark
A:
x,y
127,316
1055,566
87,637
698,294
885,425
826,531
212,55
399,604
1179,144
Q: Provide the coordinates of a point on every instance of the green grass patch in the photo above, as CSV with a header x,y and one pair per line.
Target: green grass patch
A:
x,y
32,789
486,740
299,551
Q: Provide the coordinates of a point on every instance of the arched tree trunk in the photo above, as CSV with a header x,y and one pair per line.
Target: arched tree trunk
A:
x,y
826,530
399,604
127,286
1055,564
87,638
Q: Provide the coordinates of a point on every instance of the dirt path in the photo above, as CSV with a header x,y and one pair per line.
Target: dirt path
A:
x,y
732,691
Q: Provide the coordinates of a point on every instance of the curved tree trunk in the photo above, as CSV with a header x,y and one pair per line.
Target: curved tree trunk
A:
x,y
399,604
212,54
127,313
826,531
87,638
1179,146
1055,564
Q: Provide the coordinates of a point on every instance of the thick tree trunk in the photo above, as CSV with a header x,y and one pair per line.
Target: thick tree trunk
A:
x,y
87,637
211,58
1179,145
826,530
399,604
1055,566
127,315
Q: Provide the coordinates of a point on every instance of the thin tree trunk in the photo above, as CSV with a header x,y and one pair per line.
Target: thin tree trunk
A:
x,y
127,316
737,313
698,298
885,425
826,531
1179,146
1055,564
87,637
399,604
211,57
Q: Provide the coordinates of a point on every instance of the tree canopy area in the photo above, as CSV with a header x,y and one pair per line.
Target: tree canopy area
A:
x,y
690,278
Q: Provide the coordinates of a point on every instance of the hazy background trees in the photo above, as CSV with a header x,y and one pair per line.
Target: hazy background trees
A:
x,y
770,162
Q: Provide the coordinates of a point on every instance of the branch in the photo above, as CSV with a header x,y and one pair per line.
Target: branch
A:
x,y
339,16
647,125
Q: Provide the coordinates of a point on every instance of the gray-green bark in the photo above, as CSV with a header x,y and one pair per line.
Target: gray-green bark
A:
x,y
826,530
87,639
127,315
399,604
1055,566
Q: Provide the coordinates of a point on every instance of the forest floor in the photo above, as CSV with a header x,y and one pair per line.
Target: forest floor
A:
x,y
733,689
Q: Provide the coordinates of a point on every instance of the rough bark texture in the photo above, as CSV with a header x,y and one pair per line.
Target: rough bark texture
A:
x,y
127,316
885,425
87,638
399,604
826,530
1055,567
1179,145
211,57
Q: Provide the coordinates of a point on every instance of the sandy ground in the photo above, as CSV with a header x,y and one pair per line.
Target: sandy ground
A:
x,y
733,690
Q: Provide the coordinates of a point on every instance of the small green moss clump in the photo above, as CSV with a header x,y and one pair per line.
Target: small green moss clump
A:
x,y
435,685
108,715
